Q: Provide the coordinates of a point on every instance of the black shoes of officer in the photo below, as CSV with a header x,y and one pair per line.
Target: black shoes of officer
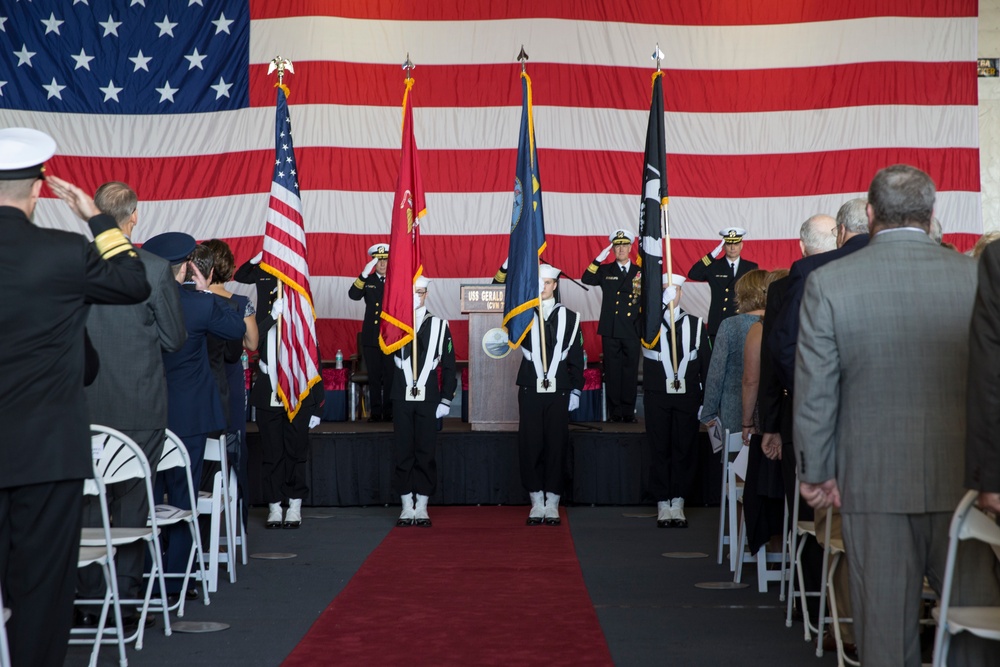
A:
x,y
373,418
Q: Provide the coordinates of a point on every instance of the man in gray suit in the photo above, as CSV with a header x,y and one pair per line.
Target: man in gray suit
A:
x,y
130,392
880,382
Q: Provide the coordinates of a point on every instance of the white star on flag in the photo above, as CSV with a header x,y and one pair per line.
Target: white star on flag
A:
x,y
140,61
82,60
195,59
222,24
166,27
52,24
3,19
194,2
53,89
111,92
2,84
221,89
24,56
79,1
110,26
167,93
137,2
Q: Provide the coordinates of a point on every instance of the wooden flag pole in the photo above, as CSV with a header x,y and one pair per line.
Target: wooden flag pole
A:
x,y
413,354
670,282
541,335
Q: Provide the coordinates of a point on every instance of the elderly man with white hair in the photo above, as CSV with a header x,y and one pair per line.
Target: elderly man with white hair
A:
x,y
674,372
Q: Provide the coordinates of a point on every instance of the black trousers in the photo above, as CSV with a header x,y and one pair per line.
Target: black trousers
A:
x,y
542,439
39,547
413,443
284,452
128,508
672,431
380,372
621,374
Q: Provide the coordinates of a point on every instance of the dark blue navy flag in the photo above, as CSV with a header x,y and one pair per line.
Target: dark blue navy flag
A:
x,y
113,57
527,230
654,195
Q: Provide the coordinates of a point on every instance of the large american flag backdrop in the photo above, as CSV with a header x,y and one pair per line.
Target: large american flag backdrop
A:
x,y
775,110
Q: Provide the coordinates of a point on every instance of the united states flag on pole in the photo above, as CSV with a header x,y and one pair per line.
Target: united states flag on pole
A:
x,y
285,258
774,110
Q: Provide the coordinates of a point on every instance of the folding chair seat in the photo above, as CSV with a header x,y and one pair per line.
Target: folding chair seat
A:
x,y
175,455
967,523
732,491
4,647
219,504
119,459
103,556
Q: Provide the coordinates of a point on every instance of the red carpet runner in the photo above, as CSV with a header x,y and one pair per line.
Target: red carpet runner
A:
x,y
479,588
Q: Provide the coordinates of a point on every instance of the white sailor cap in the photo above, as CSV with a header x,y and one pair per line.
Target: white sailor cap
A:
x,y
421,282
23,152
678,279
379,251
732,234
621,236
547,271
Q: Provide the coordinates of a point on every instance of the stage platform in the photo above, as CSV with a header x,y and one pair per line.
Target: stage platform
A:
x,y
350,464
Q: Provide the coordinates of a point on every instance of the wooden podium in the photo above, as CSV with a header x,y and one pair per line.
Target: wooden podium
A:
x,y
492,364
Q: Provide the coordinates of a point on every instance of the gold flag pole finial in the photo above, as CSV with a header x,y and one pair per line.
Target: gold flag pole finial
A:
x,y
522,57
408,66
657,56
281,65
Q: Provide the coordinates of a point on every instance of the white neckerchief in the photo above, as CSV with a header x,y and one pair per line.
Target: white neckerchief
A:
x,y
547,306
559,350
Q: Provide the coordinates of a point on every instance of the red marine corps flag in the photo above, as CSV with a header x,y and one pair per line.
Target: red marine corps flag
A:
x,y
404,261
285,258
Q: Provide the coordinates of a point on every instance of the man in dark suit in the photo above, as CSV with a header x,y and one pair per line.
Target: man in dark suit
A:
x,y
48,278
619,324
370,286
194,405
419,403
130,392
721,275
880,402
852,235
673,395
982,453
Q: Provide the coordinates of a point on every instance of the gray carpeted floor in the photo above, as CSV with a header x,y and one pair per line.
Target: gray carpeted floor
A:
x,y
648,606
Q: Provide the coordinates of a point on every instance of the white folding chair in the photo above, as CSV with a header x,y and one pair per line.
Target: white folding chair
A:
x,y
968,523
103,556
4,647
219,504
732,490
175,455
119,459
762,558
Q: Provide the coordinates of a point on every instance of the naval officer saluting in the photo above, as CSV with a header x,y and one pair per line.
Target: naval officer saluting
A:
x,y
721,275
370,286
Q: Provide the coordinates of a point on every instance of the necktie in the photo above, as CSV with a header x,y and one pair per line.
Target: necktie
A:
x,y
624,270
733,267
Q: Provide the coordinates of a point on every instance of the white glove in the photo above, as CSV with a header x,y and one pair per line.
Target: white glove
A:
x,y
669,294
718,249
574,402
314,421
442,411
256,258
277,308
503,266
604,254
367,271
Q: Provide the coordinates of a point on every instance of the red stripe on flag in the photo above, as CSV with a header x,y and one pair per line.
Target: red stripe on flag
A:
x,y
732,12
595,86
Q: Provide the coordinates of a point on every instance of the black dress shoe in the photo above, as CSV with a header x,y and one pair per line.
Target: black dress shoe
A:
x,y
631,420
680,523
549,521
404,523
374,418
665,523
273,524
614,419
83,618
422,523
534,521
130,621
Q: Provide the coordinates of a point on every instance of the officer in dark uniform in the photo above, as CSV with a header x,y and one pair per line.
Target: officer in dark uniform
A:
x,y
370,286
672,403
619,324
419,403
48,278
549,388
721,275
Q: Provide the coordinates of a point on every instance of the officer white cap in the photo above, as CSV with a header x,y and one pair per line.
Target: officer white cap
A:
x,y
678,279
732,234
621,236
23,152
379,251
547,271
421,282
